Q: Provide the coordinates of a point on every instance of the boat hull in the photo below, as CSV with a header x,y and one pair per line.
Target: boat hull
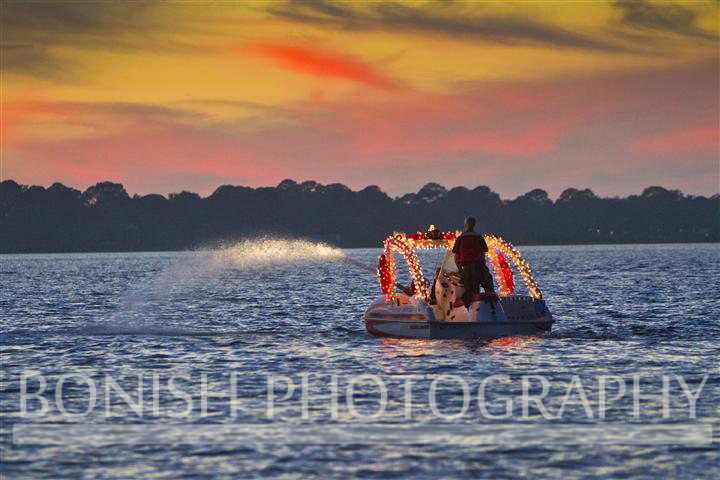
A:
x,y
450,330
525,317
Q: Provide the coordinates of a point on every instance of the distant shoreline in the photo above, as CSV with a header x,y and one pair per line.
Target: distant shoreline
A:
x,y
105,218
378,247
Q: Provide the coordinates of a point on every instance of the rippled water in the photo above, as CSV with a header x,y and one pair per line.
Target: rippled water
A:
x,y
268,309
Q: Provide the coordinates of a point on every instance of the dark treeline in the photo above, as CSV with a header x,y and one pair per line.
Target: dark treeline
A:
x,y
105,218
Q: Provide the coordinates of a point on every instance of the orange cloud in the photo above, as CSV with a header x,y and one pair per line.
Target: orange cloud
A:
x,y
322,63
684,140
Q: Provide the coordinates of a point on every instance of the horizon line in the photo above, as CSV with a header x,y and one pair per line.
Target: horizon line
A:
x,y
393,197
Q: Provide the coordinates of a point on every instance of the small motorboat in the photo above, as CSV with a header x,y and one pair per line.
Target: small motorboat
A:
x,y
435,310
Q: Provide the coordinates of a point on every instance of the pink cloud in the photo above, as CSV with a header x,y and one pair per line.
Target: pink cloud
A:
x,y
25,112
699,138
140,156
538,139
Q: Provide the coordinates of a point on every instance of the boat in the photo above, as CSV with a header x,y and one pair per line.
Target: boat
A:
x,y
434,310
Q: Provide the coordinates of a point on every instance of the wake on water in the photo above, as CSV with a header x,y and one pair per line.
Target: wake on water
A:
x,y
137,305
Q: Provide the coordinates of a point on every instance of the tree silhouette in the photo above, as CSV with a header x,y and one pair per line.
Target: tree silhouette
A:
x,y
105,218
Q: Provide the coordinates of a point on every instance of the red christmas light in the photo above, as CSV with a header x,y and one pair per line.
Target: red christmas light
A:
x,y
506,273
385,275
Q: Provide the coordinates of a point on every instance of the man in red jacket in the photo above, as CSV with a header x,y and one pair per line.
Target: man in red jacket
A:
x,y
470,249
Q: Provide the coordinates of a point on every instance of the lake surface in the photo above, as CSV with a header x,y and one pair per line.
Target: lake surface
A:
x,y
270,309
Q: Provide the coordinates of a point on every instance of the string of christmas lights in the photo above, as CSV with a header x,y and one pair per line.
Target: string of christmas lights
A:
x,y
504,291
496,243
385,274
407,244
407,248
507,274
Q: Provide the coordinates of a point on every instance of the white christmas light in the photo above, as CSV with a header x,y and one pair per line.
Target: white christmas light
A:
x,y
407,246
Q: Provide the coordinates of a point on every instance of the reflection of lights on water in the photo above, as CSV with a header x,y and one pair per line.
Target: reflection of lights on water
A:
x,y
512,342
407,347
418,347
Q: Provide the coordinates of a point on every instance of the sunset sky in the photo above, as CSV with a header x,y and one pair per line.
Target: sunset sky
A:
x,y
172,96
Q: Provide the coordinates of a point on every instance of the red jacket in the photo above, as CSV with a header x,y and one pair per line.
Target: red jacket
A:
x,y
471,247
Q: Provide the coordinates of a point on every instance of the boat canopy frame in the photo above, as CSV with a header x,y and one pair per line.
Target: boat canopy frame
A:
x,y
499,251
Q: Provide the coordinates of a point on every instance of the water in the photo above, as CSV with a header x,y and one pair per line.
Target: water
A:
x,y
268,309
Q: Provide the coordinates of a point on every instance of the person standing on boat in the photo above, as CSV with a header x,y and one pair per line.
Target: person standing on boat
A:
x,y
470,249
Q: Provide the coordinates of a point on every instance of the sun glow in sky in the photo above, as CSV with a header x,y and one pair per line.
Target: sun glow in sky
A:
x,y
170,96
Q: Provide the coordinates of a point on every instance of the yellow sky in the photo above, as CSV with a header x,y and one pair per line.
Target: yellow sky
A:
x,y
262,65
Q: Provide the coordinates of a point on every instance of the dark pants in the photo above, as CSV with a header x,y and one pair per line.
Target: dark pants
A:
x,y
473,275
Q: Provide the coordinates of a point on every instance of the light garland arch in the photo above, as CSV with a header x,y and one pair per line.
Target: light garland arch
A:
x,y
496,244
407,244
